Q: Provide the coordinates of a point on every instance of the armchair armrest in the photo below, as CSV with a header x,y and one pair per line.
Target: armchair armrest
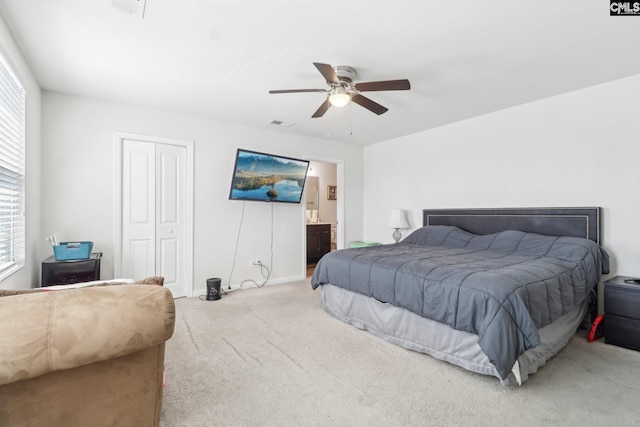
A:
x,y
41,332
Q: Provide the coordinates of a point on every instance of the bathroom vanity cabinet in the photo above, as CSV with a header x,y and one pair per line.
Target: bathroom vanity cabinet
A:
x,y
318,241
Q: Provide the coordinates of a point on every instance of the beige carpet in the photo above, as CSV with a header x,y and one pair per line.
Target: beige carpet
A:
x,y
273,357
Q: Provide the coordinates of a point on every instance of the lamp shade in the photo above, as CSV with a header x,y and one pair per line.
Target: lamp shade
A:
x,y
397,219
339,97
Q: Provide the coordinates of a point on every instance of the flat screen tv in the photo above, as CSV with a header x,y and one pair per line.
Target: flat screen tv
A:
x,y
267,177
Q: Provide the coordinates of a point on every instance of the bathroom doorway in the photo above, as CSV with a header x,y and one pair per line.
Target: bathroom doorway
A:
x,y
323,211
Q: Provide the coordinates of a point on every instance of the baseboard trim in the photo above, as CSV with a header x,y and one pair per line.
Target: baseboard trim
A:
x,y
236,286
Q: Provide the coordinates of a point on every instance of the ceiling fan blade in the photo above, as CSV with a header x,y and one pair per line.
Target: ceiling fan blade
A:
x,y
323,109
327,72
297,90
369,104
383,85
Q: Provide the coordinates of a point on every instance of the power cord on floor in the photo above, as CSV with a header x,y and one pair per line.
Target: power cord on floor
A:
x,y
263,267
266,277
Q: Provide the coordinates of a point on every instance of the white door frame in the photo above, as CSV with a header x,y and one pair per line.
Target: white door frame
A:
x,y
339,208
119,137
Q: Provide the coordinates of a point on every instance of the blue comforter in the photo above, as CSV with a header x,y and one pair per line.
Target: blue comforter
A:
x,y
501,287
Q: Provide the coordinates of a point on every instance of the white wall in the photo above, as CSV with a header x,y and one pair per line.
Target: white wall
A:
x,y
78,186
28,276
577,149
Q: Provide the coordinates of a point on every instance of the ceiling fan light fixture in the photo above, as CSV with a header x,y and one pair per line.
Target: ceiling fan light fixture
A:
x,y
343,90
339,97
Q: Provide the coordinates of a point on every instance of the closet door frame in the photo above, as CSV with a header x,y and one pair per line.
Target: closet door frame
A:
x,y
119,138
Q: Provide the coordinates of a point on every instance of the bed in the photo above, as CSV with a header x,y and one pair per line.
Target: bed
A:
x,y
495,291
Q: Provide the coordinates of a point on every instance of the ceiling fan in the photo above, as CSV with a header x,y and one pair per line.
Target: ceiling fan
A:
x,y
343,89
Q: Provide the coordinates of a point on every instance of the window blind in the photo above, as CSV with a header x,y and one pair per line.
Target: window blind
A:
x,y
12,123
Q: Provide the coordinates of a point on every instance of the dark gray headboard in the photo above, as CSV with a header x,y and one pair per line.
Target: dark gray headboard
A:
x,y
574,222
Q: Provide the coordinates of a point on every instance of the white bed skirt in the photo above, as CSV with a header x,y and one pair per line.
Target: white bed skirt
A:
x,y
413,332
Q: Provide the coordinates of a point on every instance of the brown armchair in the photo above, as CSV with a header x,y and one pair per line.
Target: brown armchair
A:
x,y
91,356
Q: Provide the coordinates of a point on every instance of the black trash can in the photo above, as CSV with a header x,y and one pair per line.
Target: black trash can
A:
x,y
213,289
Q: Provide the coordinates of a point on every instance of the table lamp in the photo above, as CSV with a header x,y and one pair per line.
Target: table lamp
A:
x,y
397,220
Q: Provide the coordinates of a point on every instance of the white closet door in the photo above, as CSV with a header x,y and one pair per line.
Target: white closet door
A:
x,y
154,213
171,214
138,209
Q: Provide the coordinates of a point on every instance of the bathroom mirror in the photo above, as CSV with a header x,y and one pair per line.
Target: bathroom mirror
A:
x,y
312,188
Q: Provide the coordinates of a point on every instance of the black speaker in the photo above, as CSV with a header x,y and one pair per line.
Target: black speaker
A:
x,y
213,289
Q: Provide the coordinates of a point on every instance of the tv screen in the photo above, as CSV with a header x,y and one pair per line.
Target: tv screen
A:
x,y
267,177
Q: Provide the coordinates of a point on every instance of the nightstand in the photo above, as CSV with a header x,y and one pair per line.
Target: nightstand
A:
x,y
622,313
70,271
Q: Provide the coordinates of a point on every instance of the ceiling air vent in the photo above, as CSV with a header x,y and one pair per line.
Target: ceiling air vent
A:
x,y
280,123
132,7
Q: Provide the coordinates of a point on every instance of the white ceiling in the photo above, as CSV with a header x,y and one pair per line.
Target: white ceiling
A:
x,y
219,58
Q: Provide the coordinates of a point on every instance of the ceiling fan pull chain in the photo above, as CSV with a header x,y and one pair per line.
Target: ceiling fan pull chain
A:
x,y
351,120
